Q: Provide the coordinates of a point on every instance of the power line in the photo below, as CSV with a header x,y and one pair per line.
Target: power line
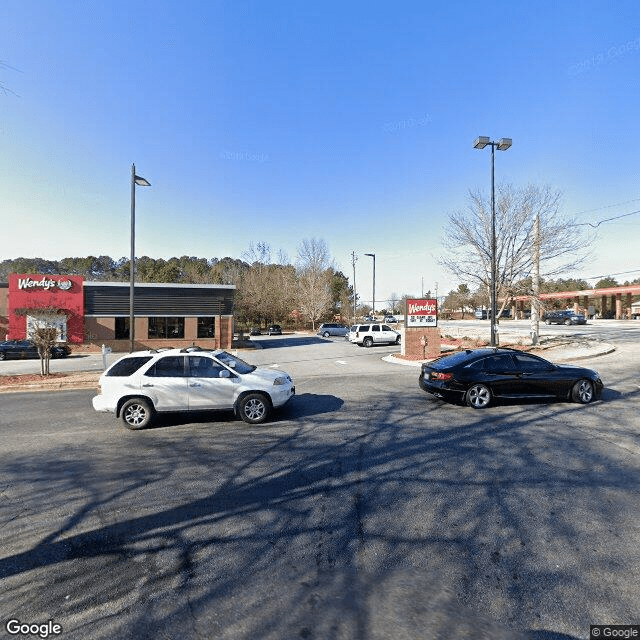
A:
x,y
607,206
597,224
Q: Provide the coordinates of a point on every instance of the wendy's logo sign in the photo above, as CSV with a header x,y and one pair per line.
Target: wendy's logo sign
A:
x,y
45,283
422,313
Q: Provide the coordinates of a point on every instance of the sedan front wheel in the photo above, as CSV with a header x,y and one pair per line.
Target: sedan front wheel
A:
x,y
478,396
583,392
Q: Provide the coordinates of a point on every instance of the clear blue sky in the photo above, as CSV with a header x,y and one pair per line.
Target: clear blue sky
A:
x,y
278,121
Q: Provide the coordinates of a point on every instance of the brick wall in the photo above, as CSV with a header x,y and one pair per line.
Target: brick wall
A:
x,y
412,345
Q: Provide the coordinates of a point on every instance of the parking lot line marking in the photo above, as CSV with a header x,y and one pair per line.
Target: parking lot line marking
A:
x,y
341,362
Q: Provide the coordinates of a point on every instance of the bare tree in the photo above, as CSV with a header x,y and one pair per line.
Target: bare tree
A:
x,y
563,244
44,338
314,279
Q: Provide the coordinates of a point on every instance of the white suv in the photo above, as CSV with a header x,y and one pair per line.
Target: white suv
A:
x,y
142,383
369,334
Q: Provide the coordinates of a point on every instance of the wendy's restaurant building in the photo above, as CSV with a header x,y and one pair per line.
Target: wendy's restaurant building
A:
x,y
97,313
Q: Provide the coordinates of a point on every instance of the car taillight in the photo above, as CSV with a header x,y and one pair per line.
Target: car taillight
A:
x,y
437,375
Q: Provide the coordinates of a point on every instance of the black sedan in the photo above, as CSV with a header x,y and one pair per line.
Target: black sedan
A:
x,y
19,349
479,376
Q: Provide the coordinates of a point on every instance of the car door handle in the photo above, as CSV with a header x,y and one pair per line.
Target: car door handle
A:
x,y
195,384
147,385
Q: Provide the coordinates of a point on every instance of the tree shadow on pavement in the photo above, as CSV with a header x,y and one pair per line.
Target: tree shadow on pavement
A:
x,y
400,518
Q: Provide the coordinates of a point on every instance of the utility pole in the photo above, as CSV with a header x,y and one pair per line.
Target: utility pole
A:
x,y
354,259
535,284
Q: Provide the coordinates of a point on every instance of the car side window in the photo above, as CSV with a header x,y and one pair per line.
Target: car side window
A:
x,y
530,363
127,366
498,363
385,328
364,327
169,367
375,327
201,367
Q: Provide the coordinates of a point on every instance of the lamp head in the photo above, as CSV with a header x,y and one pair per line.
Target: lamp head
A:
x,y
504,144
481,142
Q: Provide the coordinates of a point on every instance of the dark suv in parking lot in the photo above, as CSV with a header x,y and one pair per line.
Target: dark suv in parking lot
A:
x,y
564,317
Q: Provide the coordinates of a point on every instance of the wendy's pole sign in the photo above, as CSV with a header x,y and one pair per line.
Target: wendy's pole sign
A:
x,y
421,312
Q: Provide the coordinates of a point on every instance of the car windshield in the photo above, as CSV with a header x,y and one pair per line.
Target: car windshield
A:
x,y
233,362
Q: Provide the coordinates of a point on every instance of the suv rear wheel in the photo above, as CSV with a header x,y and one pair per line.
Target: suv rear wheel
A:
x,y
368,342
136,413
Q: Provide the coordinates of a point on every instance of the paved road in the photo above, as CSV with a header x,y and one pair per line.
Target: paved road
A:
x,y
365,510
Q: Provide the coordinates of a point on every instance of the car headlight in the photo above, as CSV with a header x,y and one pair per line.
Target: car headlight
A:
x,y
281,380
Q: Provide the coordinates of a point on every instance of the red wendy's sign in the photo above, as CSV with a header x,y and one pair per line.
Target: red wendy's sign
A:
x,y
422,312
31,294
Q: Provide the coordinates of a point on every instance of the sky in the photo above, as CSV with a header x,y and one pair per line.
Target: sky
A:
x,y
350,122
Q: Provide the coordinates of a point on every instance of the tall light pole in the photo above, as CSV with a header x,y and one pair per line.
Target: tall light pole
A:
x,y
503,144
135,180
354,259
373,306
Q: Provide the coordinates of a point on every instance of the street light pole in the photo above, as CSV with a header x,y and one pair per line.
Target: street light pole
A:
x,y
503,144
135,180
373,309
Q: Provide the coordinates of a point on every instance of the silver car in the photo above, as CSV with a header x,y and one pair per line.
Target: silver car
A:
x,y
332,329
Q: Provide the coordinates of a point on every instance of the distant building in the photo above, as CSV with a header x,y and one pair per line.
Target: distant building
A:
x,y
86,312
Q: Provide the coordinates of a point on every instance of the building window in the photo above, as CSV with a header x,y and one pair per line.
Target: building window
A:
x,y
206,327
166,328
122,329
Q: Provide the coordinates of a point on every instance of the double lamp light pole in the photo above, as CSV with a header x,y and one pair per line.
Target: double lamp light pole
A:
x,y
141,182
502,145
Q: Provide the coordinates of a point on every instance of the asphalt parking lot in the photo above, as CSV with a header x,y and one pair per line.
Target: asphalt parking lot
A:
x,y
365,509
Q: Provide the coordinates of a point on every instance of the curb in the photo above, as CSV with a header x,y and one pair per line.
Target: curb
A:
x,y
578,354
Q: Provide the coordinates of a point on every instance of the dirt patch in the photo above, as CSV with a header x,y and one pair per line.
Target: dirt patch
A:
x,y
8,381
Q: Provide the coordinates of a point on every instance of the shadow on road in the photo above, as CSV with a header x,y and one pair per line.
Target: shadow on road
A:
x,y
372,521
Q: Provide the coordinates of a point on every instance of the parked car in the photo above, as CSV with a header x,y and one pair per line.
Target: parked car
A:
x,y
275,330
332,329
564,317
369,319
22,349
143,383
390,320
369,334
255,331
480,376
483,314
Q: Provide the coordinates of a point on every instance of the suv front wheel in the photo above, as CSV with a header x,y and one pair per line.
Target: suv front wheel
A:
x,y
254,408
136,413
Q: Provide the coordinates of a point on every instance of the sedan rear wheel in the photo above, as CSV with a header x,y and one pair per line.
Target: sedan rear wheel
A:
x,y
2,355
326,334
478,396
583,392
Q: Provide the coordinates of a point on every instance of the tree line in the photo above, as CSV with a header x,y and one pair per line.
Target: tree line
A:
x,y
268,288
